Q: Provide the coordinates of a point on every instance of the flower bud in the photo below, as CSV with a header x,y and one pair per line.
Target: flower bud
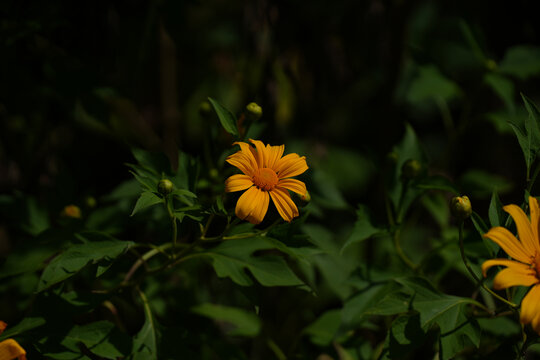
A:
x,y
491,65
165,186
411,169
306,197
253,111
205,109
90,202
461,208
72,211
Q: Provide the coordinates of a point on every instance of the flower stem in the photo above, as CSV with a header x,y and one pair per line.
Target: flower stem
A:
x,y
168,205
401,253
145,258
471,272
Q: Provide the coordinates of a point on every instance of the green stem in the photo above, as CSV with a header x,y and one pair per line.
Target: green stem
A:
x,y
471,272
168,205
401,253
144,258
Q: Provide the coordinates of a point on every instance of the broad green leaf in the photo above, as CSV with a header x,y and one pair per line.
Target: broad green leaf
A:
x,y
69,262
146,199
430,84
363,229
522,61
238,322
227,119
502,326
101,338
323,330
25,325
183,192
146,340
405,335
447,311
232,257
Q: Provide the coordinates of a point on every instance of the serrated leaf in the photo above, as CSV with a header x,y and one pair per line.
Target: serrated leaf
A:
x,y
146,199
226,118
236,321
232,257
69,262
363,229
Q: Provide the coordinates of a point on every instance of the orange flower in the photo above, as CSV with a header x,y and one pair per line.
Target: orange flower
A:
x,y
525,269
10,349
266,174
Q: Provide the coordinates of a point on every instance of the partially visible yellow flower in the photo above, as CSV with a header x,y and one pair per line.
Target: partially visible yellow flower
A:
x,y
266,174
524,270
72,211
10,349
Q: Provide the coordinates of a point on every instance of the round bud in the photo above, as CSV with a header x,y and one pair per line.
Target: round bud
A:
x,y
411,169
72,211
205,109
461,208
491,65
213,173
253,111
90,202
165,186
306,197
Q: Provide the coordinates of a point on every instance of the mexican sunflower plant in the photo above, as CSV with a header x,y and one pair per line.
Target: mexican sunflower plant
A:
x,y
524,269
266,174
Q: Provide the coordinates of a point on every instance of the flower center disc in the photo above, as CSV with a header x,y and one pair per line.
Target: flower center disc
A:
x,y
265,179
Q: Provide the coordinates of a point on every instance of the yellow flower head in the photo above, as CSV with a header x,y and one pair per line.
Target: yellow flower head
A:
x,y
10,349
266,174
524,270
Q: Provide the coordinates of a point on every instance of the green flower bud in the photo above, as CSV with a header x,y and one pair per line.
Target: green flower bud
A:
x,y
165,186
411,169
205,109
90,202
253,111
491,65
213,173
461,208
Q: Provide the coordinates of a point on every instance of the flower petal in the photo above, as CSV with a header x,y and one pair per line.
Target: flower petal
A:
x,y
284,204
10,349
238,182
258,213
290,165
294,185
273,153
523,225
514,277
252,204
3,326
260,154
535,220
504,262
530,306
509,243
245,163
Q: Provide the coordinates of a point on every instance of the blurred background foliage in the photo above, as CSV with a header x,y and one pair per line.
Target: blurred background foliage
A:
x,y
341,82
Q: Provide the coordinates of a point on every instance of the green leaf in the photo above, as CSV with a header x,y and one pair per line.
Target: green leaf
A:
x,y
437,182
405,334
146,199
496,213
479,183
522,61
146,340
447,311
323,330
101,338
232,257
431,84
237,322
227,119
25,325
363,229
527,132
69,262
501,326
183,192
